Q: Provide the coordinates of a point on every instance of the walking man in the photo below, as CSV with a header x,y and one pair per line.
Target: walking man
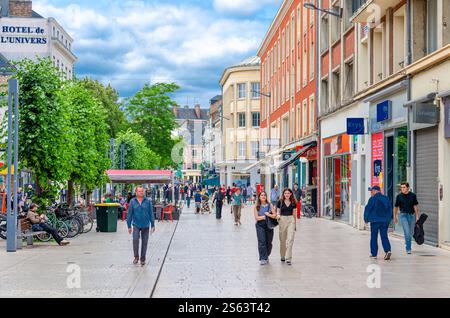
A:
x,y
139,218
219,197
409,213
378,213
275,195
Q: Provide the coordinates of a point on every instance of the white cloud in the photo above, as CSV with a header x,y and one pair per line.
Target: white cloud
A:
x,y
129,43
242,6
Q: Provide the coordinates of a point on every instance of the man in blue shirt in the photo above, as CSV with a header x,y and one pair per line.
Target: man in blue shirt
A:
x,y
140,216
198,202
275,195
378,213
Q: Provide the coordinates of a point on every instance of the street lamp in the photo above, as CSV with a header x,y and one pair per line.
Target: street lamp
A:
x,y
312,6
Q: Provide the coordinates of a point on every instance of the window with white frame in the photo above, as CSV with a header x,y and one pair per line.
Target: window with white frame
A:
x,y
256,119
304,118
286,130
311,114
242,90
241,150
311,59
255,149
256,90
241,122
194,153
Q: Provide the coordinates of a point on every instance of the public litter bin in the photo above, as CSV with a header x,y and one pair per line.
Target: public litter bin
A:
x,y
107,215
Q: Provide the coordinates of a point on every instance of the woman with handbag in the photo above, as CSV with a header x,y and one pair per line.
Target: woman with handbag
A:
x,y
286,212
265,223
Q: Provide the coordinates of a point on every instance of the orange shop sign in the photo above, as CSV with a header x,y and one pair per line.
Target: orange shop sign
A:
x,y
337,145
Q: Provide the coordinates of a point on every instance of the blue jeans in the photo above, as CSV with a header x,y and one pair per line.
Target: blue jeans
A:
x,y
408,223
382,228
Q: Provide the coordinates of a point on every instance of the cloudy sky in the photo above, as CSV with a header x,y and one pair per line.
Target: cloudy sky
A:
x,y
190,42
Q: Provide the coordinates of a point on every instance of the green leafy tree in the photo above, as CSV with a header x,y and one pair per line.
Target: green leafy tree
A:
x,y
109,99
44,126
90,138
150,113
137,155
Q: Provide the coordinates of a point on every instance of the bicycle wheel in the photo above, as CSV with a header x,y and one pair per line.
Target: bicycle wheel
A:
x,y
81,222
63,229
308,211
88,224
74,227
44,237
3,232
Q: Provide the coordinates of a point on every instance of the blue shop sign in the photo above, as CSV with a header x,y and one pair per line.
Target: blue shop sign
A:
x,y
355,126
384,111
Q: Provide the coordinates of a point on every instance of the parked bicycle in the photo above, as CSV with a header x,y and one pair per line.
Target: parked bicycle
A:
x,y
308,210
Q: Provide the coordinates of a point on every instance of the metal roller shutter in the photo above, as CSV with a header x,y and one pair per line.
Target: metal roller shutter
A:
x,y
427,180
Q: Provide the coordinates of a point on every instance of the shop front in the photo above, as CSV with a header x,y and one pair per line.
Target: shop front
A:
x,y
424,119
337,177
388,128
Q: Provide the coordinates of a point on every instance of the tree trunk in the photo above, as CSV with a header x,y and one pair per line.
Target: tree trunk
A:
x,y
70,192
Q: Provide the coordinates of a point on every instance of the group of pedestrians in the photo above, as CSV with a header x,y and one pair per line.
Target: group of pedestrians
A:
x,y
280,209
379,214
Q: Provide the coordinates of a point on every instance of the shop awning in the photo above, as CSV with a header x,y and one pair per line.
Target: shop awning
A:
x,y
140,176
213,182
297,156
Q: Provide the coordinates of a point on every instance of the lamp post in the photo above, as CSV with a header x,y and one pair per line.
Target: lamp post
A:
x,y
312,6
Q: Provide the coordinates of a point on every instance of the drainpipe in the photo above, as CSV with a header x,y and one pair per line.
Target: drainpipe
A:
x,y
410,162
319,182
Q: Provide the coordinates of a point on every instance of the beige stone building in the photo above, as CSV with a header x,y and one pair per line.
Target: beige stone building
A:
x,y
241,121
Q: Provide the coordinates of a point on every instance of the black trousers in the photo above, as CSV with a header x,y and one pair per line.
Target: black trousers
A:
x,y
219,210
52,231
265,238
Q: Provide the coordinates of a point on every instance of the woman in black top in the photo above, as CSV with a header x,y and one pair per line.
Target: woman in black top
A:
x,y
286,211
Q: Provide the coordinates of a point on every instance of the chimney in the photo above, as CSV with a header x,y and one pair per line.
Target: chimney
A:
x,y
21,8
198,111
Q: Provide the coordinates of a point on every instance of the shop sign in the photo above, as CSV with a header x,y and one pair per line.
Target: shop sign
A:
x,y
425,113
447,117
22,35
377,159
337,145
356,126
384,111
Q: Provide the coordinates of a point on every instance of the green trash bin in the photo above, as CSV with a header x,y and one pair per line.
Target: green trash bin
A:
x,y
107,215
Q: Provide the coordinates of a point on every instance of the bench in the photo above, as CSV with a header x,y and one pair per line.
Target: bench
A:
x,y
27,231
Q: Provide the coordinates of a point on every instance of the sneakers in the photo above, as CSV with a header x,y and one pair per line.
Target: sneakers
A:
x,y
64,243
409,252
372,257
387,256
142,263
136,260
283,259
263,262
288,262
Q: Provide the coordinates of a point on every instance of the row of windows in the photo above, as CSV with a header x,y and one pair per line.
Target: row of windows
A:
x,y
60,36
255,91
256,120
64,69
281,69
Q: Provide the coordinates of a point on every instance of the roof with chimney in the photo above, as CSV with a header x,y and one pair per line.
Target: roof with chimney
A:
x,y
186,113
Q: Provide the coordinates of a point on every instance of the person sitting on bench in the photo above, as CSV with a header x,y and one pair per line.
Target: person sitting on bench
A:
x,y
39,223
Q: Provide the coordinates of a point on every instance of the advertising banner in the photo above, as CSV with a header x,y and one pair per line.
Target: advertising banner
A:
x,y
377,159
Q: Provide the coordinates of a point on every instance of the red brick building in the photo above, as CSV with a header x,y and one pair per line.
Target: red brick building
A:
x,y
289,108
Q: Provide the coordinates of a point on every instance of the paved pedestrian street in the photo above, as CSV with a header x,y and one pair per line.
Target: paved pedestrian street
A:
x,y
211,258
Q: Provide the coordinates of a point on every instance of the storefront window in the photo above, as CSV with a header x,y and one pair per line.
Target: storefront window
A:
x,y
329,187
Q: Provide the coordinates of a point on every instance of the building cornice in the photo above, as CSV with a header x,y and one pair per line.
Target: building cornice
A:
x,y
234,69
429,61
284,8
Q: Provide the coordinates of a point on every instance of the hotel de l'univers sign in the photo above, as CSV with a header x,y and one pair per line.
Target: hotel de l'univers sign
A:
x,y
22,35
